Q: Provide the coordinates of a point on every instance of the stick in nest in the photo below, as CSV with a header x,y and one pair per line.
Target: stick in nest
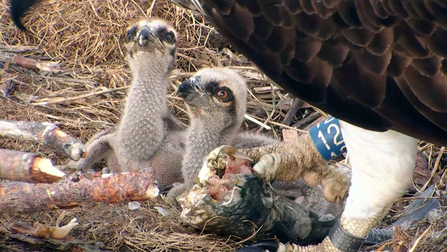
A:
x,y
23,197
46,133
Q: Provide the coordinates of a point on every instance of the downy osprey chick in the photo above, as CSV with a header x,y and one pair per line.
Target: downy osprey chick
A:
x,y
216,102
148,134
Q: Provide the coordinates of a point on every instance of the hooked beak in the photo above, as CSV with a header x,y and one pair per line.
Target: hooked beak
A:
x,y
145,36
191,92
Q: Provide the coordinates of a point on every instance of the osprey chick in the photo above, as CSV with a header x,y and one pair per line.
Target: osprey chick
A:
x,y
216,100
148,134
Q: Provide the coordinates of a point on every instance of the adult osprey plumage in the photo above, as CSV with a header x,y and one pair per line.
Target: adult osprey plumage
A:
x,y
376,64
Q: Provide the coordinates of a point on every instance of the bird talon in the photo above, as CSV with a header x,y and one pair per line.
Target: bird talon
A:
x,y
325,246
267,167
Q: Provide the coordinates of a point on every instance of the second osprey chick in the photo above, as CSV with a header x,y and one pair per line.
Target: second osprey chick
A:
x,y
216,99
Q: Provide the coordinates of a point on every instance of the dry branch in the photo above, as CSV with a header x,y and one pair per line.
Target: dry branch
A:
x,y
46,133
6,88
296,105
28,167
114,188
29,63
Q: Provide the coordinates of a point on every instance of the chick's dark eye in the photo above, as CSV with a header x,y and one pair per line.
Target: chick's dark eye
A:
x,y
131,34
169,37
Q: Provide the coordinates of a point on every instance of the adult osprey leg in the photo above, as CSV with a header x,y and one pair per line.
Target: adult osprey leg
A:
x,y
382,170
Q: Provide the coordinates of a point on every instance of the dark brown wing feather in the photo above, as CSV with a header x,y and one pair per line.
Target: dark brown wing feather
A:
x,y
376,64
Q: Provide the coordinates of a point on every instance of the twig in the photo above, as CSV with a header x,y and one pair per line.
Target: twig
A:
x,y
18,60
30,63
284,126
151,8
307,120
21,197
263,90
442,180
265,126
252,236
297,103
46,133
413,248
66,79
274,106
78,97
27,167
18,49
435,167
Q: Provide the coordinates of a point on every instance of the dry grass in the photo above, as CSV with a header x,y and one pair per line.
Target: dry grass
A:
x,y
87,95
114,227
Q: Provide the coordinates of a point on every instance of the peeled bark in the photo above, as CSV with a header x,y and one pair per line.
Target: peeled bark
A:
x,y
29,63
21,197
46,133
27,167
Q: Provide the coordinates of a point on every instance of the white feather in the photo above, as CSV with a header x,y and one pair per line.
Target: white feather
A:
x,y
382,170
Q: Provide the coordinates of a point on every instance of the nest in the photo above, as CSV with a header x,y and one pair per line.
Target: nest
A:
x,y
86,93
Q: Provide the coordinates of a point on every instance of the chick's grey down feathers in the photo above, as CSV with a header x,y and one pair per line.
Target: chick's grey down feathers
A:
x,y
378,64
213,121
148,134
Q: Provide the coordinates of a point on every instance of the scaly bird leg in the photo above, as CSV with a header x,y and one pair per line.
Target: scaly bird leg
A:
x,y
288,161
379,178
326,246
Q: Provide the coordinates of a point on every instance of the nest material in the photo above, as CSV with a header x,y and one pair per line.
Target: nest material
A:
x,y
114,227
86,38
